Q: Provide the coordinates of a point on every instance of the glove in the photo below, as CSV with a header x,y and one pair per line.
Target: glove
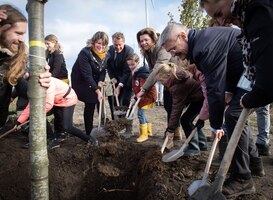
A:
x,y
200,124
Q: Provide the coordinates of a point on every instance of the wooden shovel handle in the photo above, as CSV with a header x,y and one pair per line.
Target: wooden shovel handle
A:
x,y
233,142
100,108
129,109
212,151
188,139
13,129
116,96
134,108
164,144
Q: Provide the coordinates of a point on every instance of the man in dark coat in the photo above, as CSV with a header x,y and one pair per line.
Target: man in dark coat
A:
x,y
217,54
119,71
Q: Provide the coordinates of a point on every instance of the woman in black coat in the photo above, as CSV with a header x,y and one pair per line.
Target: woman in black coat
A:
x,y
88,74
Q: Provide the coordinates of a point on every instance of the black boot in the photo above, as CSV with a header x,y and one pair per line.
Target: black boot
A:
x,y
234,187
128,131
263,149
256,166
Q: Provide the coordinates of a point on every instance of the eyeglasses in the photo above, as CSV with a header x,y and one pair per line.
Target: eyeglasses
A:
x,y
173,49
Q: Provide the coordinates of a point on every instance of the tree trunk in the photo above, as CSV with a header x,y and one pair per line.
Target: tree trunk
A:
x,y
36,94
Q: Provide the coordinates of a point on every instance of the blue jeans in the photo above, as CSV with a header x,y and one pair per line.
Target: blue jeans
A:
x,y
141,116
159,89
263,123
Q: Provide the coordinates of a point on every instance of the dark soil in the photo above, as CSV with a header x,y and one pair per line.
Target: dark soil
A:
x,y
117,169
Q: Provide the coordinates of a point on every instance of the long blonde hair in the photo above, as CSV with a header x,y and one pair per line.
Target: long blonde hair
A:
x,y
53,38
17,62
167,70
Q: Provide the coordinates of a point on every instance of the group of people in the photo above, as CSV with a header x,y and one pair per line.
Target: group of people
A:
x,y
225,56
213,73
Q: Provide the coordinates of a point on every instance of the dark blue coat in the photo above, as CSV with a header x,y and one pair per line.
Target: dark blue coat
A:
x,y
117,66
87,71
217,54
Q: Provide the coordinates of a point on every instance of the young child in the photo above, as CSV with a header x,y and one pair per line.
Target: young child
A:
x,y
139,75
186,92
60,94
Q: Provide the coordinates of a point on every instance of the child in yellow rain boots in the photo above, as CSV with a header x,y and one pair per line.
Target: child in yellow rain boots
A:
x,y
139,75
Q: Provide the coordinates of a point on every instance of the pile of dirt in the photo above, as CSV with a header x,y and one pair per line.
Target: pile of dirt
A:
x,y
117,169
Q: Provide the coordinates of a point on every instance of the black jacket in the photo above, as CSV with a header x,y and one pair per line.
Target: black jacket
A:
x,y
6,89
217,54
87,71
257,20
57,65
117,66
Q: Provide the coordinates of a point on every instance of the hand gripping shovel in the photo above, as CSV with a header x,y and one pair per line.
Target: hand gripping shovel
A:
x,y
175,154
214,191
13,129
199,183
130,117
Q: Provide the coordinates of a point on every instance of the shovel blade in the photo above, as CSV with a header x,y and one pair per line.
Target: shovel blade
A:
x,y
206,192
195,185
173,155
98,132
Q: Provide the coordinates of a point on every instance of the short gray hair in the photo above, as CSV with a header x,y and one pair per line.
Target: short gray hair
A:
x,y
166,33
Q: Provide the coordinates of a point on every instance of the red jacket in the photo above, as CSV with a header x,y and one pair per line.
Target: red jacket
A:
x,y
138,80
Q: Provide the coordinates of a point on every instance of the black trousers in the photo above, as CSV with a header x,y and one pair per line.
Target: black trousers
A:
x,y
186,121
246,147
4,112
88,116
58,126
168,101
67,122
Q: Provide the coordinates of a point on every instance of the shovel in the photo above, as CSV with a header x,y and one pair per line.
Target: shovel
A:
x,y
99,131
164,144
199,183
116,96
214,191
175,154
129,108
13,129
130,117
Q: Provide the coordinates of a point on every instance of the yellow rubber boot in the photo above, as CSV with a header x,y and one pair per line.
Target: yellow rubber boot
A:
x,y
143,133
150,132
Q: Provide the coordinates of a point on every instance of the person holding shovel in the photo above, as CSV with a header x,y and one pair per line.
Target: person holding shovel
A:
x,y
217,55
139,75
155,55
119,71
62,95
186,92
255,18
88,75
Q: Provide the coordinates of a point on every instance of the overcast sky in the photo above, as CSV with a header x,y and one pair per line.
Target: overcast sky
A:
x,y
75,21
